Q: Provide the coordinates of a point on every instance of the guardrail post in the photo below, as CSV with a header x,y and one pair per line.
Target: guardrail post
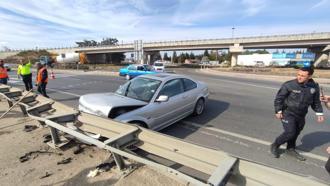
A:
x,y
23,109
118,159
10,103
55,137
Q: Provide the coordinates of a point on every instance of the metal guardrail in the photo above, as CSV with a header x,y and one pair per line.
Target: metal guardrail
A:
x,y
219,167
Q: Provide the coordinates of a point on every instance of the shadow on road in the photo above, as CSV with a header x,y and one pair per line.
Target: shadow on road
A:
x,y
315,139
213,109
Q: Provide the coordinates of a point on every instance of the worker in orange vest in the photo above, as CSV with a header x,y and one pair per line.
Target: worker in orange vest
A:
x,y
42,79
3,73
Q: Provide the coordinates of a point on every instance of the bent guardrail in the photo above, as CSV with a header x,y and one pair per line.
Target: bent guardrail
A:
x,y
218,168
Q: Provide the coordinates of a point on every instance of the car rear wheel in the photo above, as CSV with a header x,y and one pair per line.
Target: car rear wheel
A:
x,y
128,77
199,107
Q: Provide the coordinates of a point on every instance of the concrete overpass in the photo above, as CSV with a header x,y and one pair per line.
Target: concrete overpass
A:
x,y
317,42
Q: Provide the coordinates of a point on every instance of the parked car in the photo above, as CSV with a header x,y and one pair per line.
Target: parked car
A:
x,y
133,71
159,67
152,101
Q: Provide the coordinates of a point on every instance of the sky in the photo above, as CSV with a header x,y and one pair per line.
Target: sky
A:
x,y
60,23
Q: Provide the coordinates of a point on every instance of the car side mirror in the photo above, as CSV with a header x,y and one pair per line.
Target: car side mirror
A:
x,y
162,98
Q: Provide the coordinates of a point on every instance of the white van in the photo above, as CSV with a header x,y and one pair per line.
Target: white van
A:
x,y
159,67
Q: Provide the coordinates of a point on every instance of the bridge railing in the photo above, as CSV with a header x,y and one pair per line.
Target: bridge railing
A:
x,y
288,37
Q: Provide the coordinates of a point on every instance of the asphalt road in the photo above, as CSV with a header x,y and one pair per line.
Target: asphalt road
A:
x,y
239,118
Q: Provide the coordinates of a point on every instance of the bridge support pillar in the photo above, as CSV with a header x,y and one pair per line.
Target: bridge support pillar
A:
x,y
150,57
321,56
139,55
235,50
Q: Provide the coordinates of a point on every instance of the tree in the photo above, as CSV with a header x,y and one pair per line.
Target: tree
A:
x,y
109,41
156,56
105,41
192,55
183,57
175,57
206,53
166,58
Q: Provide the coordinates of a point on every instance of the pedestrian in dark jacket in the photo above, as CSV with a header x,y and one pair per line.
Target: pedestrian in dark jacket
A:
x,y
291,106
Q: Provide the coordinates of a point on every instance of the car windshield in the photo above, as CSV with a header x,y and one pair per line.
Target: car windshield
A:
x,y
142,89
159,64
148,67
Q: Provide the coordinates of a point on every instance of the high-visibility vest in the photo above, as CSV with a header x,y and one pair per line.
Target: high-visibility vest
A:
x,y
24,69
3,73
39,75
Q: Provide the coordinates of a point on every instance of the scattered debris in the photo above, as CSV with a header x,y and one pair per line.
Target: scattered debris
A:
x,y
29,128
78,149
104,167
93,173
47,138
65,161
33,155
46,175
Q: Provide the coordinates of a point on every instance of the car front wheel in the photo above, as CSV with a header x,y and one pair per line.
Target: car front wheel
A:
x,y
128,77
199,107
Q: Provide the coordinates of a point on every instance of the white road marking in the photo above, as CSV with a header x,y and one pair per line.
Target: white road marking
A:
x,y
255,140
247,84
64,92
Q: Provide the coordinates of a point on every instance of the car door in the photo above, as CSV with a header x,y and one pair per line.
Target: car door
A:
x,y
190,95
165,113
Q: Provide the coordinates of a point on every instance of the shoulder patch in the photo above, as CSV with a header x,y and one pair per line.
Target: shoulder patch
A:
x,y
312,90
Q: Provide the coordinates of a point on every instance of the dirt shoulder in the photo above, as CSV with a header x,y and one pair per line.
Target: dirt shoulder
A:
x,y
41,165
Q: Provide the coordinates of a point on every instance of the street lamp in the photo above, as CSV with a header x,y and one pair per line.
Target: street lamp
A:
x,y
232,32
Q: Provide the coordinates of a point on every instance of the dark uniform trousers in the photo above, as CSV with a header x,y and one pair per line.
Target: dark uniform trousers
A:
x,y
292,127
27,79
42,89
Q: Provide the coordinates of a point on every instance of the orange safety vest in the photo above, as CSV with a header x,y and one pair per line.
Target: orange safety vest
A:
x,y
3,73
39,75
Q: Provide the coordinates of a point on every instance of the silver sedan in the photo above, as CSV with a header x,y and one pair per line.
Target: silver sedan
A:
x,y
151,101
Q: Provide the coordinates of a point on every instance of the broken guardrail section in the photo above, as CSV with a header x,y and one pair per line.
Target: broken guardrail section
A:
x,y
195,164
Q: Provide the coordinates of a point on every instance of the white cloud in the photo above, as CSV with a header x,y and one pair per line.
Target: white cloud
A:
x,y
319,4
253,7
53,23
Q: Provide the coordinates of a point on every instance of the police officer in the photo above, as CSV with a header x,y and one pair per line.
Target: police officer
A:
x,y
291,106
42,78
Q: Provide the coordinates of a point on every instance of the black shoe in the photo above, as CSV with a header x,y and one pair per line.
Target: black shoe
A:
x,y
295,154
274,150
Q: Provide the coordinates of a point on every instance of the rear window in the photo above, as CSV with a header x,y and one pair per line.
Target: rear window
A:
x,y
158,64
131,68
189,84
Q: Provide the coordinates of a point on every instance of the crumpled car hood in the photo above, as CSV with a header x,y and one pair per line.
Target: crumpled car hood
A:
x,y
101,104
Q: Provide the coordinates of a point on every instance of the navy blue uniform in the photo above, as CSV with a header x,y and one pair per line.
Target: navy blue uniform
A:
x,y
293,100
